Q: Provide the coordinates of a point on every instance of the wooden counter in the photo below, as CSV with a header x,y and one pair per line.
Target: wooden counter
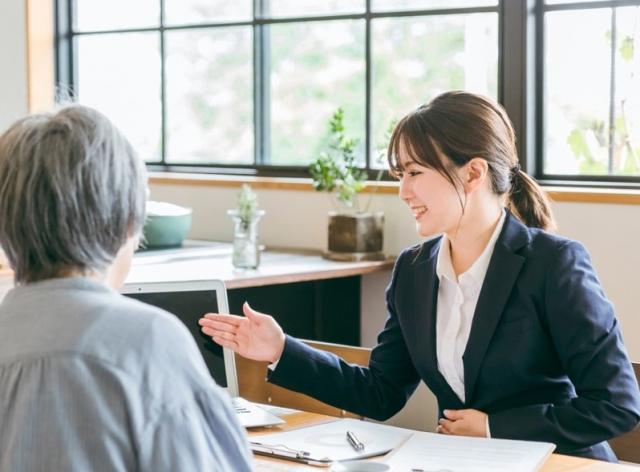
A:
x,y
200,260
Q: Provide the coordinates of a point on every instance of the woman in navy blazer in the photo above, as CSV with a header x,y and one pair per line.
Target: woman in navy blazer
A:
x,y
542,357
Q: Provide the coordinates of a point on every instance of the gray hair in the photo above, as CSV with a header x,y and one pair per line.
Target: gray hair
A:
x,y
72,191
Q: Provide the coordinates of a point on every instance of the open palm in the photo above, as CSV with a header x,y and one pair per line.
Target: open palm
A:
x,y
255,336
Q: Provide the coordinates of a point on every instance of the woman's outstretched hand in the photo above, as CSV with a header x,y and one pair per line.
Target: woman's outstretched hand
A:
x,y
255,336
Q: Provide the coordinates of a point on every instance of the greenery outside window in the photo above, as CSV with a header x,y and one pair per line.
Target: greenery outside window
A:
x,y
248,86
590,104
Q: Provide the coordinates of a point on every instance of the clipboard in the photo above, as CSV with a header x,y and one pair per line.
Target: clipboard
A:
x,y
323,444
280,451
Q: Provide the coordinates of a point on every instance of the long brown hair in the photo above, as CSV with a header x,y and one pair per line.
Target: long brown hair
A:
x,y
461,126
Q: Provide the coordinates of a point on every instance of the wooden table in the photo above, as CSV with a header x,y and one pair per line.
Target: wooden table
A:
x,y
555,463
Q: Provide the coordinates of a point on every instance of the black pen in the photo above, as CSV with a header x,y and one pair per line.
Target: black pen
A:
x,y
355,443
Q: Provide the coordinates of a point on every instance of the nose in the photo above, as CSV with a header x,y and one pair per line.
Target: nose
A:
x,y
405,191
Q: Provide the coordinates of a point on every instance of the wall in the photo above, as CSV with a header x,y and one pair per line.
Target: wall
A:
x,y
13,79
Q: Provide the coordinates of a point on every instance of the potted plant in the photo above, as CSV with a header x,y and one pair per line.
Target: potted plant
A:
x,y
355,233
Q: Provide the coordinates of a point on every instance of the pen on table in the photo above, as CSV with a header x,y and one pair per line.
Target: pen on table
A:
x,y
355,443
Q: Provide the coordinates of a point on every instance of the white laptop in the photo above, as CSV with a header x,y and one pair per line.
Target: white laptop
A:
x,y
188,301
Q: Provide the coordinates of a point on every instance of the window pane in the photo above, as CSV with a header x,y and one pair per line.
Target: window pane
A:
x,y
315,7
555,2
207,11
316,67
116,14
428,4
415,59
576,96
209,94
119,74
626,156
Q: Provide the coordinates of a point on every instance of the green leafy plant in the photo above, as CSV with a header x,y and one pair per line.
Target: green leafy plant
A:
x,y
335,170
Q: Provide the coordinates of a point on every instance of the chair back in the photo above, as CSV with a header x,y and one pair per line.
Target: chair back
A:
x,y
627,446
253,385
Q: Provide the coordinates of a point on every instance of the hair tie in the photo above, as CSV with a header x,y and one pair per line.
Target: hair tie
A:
x,y
515,172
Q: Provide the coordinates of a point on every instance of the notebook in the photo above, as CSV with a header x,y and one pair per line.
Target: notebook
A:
x,y
188,301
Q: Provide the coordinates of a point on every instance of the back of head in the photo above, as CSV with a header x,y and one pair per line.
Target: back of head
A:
x,y
72,191
463,126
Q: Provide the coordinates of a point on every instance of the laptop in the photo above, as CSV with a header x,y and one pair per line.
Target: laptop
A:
x,y
188,301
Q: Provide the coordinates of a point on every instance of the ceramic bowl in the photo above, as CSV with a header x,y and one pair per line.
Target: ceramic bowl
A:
x,y
167,225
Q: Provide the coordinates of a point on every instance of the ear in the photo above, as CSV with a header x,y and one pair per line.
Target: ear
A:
x,y
476,172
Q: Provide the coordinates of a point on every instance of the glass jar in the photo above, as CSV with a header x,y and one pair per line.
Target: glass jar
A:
x,y
246,250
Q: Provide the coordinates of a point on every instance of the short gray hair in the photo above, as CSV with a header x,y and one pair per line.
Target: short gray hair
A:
x,y
72,191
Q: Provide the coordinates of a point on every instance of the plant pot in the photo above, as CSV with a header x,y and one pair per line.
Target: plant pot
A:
x,y
355,236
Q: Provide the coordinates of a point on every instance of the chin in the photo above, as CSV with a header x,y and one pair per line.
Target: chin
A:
x,y
426,232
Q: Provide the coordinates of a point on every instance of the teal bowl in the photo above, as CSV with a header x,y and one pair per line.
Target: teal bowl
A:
x,y
167,225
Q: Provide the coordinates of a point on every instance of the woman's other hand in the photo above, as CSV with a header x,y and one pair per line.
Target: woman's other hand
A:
x,y
255,336
463,423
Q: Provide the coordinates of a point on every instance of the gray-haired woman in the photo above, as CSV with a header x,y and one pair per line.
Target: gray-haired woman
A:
x,y
89,379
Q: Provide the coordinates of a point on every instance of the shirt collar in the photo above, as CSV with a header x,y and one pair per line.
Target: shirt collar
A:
x,y
477,271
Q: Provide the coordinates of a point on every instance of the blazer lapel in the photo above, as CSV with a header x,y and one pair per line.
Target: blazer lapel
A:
x,y
503,270
425,316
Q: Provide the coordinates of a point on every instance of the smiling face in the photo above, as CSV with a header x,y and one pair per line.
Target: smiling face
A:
x,y
432,198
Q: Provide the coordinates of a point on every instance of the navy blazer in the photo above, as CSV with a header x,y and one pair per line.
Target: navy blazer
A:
x,y
544,359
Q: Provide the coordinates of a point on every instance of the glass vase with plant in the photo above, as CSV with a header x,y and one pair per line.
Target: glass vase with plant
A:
x,y
246,249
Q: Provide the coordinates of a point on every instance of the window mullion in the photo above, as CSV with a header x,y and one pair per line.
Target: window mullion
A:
x,y
612,91
163,88
261,88
367,86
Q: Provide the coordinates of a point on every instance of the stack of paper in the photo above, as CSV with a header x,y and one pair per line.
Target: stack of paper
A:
x,y
428,452
325,443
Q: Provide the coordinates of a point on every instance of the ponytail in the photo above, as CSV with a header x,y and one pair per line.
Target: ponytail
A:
x,y
529,203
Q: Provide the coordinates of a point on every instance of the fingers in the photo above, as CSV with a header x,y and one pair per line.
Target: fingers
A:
x,y
217,326
250,313
445,426
232,320
454,414
224,342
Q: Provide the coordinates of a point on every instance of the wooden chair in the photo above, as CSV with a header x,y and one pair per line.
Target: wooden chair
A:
x,y
253,386
627,446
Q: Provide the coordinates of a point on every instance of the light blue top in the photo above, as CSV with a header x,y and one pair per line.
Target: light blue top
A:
x,y
91,380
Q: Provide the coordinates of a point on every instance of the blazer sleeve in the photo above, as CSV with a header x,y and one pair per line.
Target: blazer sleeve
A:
x,y
377,391
586,336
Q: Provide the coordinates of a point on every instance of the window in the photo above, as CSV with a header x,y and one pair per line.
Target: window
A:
x,y
590,101
248,86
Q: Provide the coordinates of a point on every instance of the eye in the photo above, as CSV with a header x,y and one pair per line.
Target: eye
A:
x,y
413,173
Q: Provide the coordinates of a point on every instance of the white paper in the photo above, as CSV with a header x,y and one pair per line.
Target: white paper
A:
x,y
430,452
329,440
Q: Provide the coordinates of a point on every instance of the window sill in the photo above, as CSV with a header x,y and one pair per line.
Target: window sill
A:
x,y
557,194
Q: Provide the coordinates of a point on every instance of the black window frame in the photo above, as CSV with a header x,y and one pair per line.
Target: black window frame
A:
x,y
520,79
596,181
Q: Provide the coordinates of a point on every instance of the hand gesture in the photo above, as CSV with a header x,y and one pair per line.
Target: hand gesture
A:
x,y
255,336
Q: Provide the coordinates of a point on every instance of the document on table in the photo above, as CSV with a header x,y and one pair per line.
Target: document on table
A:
x,y
325,443
427,452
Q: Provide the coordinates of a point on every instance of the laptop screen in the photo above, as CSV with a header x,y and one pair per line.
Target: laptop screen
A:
x,y
189,306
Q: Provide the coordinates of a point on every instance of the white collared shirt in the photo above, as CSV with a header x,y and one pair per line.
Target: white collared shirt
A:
x,y
457,299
